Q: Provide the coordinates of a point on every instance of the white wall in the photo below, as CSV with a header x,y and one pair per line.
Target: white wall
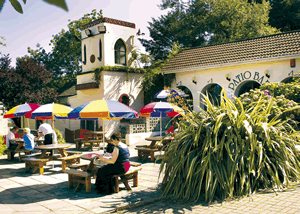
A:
x,y
279,70
109,39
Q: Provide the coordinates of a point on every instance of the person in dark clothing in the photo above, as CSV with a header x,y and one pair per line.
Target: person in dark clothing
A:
x,y
117,163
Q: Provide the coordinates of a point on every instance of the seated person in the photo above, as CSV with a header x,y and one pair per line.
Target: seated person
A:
x,y
117,163
10,138
28,139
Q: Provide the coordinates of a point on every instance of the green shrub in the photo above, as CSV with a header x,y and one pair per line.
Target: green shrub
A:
x,y
60,139
228,151
2,145
280,105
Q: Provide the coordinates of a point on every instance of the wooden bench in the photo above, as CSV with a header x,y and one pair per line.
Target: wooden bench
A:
x,y
81,177
26,152
35,163
84,166
146,152
78,143
132,174
84,178
11,153
68,160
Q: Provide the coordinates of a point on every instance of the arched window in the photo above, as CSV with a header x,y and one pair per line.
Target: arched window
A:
x,y
120,52
124,98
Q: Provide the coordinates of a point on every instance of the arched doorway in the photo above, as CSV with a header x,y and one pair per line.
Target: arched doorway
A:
x,y
213,92
289,79
189,97
246,87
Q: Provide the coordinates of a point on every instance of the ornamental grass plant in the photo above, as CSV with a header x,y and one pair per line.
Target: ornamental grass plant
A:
x,y
228,151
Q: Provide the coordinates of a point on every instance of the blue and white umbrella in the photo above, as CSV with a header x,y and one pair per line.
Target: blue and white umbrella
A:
x,y
169,93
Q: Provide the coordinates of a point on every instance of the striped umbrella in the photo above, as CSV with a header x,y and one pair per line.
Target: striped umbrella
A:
x,y
160,109
104,110
51,111
21,110
169,93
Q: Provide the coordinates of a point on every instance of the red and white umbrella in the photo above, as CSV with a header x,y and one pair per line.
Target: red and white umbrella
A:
x,y
161,109
21,110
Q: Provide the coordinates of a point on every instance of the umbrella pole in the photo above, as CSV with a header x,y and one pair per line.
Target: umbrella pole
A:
x,y
103,134
160,124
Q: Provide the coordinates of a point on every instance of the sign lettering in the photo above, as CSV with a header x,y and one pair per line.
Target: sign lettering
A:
x,y
246,76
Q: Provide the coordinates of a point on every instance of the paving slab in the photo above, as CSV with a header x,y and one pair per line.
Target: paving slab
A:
x,y
33,193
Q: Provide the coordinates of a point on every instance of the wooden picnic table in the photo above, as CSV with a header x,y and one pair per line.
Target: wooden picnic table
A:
x,y
21,143
66,158
51,147
95,134
149,150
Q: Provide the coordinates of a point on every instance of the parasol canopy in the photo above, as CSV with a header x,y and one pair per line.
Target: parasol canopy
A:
x,y
169,93
21,110
103,109
51,111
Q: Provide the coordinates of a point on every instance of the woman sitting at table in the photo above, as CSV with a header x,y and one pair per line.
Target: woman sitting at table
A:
x,y
28,139
118,163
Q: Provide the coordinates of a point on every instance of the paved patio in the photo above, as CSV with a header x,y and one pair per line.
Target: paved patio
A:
x,y
33,193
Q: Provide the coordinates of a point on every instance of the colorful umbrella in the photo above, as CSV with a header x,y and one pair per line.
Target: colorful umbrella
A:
x,y
21,110
160,109
169,93
51,111
104,110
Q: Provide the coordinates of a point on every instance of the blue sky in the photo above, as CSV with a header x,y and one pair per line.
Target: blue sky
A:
x,y
40,20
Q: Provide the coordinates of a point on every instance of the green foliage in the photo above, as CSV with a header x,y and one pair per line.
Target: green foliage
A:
x,y
291,91
18,7
281,104
228,151
27,82
2,145
60,139
154,81
65,59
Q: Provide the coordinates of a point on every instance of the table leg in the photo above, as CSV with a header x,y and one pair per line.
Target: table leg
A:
x,y
44,154
63,152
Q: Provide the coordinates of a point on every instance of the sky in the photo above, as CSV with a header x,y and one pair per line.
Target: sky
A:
x,y
40,20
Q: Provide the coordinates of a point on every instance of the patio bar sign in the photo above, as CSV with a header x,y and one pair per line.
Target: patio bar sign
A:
x,y
247,75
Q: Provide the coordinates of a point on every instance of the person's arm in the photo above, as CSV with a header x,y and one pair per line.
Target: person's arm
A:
x,y
114,156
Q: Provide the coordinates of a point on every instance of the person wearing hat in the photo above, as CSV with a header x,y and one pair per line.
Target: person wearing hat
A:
x,y
28,139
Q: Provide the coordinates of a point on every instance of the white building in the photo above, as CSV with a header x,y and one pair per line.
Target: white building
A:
x,y
236,67
106,45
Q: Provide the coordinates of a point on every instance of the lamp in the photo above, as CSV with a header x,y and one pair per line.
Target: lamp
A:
x,y
194,80
227,76
267,73
139,33
102,29
88,32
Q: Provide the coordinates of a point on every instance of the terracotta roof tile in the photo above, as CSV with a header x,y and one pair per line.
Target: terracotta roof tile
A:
x,y
277,45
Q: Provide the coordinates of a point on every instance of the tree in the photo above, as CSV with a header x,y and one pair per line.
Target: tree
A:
x,y
17,6
204,22
284,14
25,83
65,59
